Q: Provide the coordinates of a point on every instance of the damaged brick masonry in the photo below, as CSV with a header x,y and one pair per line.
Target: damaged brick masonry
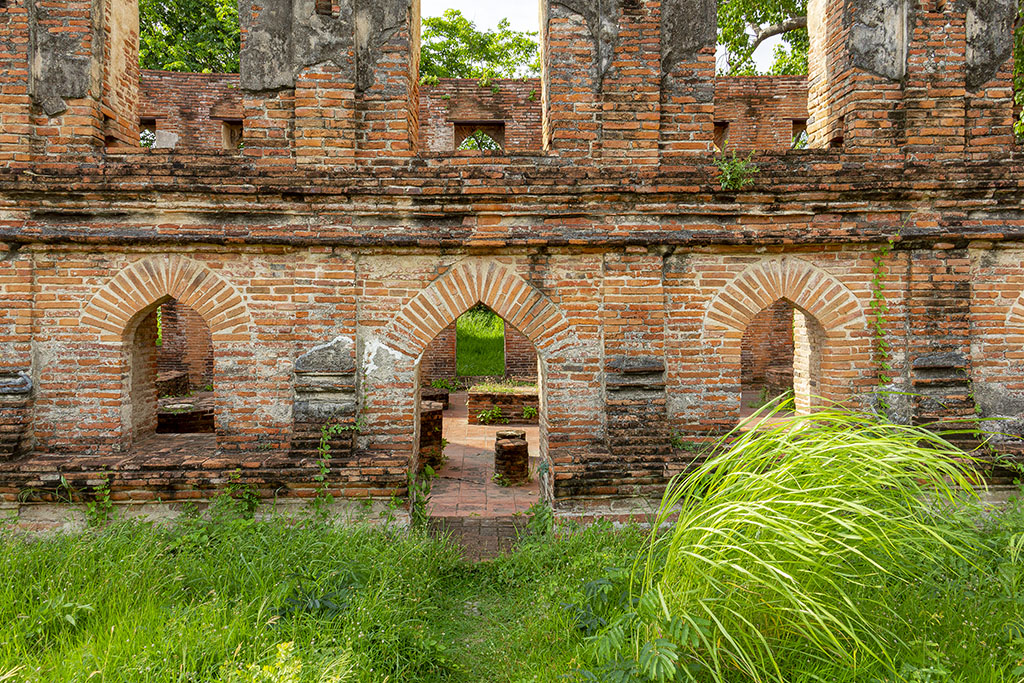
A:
x,y
312,220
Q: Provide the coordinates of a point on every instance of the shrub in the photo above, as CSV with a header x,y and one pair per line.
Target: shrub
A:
x,y
786,553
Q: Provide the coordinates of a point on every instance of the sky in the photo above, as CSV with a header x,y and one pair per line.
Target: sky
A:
x,y
524,15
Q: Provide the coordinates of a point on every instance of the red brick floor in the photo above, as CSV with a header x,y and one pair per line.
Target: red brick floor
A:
x,y
464,487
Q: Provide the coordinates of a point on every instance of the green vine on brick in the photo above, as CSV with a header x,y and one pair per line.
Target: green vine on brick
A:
x,y
323,498
879,314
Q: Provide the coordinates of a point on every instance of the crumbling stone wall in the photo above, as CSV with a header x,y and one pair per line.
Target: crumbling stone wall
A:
x,y
329,254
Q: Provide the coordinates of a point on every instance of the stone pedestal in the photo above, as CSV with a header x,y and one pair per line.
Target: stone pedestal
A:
x,y
512,456
431,434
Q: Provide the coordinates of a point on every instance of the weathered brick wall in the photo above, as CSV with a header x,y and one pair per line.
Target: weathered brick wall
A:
x,y
189,109
140,364
439,360
520,356
761,110
328,255
767,341
187,345
515,103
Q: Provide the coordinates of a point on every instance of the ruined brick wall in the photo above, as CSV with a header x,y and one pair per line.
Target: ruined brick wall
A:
x,y
140,370
187,345
761,112
516,104
520,356
439,360
767,341
189,110
329,254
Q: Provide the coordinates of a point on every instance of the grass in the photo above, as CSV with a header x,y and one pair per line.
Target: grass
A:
x,y
812,553
507,387
480,343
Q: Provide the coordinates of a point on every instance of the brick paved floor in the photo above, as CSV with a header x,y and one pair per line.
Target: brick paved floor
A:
x,y
464,487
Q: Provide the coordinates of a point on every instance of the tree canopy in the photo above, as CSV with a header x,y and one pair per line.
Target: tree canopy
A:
x,y
453,47
743,25
200,36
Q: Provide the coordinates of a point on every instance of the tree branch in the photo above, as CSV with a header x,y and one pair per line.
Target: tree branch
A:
x,y
791,24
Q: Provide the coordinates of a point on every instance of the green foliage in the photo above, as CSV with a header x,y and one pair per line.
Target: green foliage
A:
x,y
480,141
323,498
286,668
450,385
99,510
419,497
480,343
791,553
453,47
189,35
492,416
739,21
530,413
507,386
879,313
736,173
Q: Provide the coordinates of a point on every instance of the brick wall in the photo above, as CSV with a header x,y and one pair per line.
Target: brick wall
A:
x,y
514,103
439,358
520,356
614,249
190,109
140,372
187,345
761,110
767,341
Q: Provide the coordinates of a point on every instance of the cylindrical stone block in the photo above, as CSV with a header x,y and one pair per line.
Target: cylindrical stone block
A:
x,y
431,434
512,460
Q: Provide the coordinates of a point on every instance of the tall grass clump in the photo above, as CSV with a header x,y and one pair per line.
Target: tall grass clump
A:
x,y
784,556
480,343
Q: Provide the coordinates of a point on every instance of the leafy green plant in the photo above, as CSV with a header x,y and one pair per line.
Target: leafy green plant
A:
x,y
419,497
322,499
287,667
492,416
788,550
450,385
99,510
879,313
735,172
541,519
529,413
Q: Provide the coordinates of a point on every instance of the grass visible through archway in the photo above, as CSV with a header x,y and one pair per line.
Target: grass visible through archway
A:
x,y
480,343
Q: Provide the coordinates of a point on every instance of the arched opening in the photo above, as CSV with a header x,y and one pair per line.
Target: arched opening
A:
x,y
472,425
168,378
780,358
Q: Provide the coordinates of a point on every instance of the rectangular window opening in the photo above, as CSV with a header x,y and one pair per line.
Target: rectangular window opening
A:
x,y
482,136
147,132
231,132
721,138
799,134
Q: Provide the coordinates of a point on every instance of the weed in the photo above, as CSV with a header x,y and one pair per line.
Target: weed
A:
x,y
419,497
492,416
529,413
736,173
450,385
99,510
322,499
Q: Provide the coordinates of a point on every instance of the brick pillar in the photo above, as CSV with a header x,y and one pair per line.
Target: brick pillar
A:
x,y
574,62
939,334
387,39
688,33
634,347
989,77
15,102
934,102
857,60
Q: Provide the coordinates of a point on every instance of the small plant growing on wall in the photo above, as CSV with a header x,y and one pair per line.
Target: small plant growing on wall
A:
x,y
735,172
529,413
492,416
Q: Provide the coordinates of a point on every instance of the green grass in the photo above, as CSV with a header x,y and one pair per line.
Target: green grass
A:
x,y
810,554
507,387
480,343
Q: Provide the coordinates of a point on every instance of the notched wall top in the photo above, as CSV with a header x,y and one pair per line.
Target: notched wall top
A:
x,y
286,37
602,18
880,36
989,38
687,27
58,68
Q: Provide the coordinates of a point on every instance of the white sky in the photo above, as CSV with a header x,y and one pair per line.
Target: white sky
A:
x,y
524,15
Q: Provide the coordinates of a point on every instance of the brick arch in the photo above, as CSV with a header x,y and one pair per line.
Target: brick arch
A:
x,y
146,282
1015,320
478,281
809,288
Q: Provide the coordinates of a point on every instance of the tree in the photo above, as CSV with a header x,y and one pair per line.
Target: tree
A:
x,y
743,25
189,35
453,47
